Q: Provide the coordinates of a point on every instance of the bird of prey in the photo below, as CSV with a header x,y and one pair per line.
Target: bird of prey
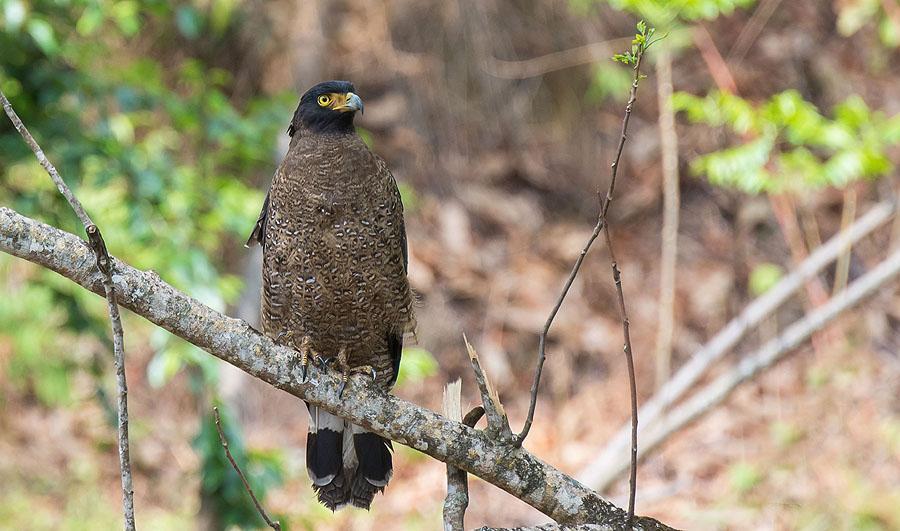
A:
x,y
334,279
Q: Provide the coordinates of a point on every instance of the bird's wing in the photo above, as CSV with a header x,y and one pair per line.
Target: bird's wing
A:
x,y
259,230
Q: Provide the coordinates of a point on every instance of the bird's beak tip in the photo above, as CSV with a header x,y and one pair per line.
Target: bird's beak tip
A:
x,y
355,102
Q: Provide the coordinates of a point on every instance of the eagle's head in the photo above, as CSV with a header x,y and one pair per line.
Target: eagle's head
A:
x,y
328,107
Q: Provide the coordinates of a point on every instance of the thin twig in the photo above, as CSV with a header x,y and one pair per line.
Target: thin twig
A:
x,y
542,340
716,65
601,220
104,264
551,62
751,30
609,462
274,524
848,214
617,279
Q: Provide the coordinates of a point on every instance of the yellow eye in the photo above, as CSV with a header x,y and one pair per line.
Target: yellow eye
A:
x,y
324,100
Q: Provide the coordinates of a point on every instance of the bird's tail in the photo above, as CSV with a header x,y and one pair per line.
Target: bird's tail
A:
x,y
346,464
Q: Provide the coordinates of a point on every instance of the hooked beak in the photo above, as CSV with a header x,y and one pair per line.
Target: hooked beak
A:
x,y
352,103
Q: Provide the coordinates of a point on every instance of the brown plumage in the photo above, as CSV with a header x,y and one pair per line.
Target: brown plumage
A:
x,y
334,277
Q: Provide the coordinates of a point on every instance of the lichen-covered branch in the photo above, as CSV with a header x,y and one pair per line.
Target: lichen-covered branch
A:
x,y
102,262
513,469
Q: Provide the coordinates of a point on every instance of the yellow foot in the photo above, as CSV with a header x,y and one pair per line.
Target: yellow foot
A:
x,y
347,370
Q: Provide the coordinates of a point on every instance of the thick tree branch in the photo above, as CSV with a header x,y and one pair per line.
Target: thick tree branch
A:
x,y
102,262
513,469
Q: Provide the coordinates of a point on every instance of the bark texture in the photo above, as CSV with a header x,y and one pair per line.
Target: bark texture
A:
x,y
512,469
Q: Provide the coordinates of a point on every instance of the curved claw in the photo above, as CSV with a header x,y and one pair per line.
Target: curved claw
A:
x,y
303,371
341,388
374,374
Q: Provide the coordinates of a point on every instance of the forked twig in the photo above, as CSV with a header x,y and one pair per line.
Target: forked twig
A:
x,y
617,279
635,57
104,265
274,524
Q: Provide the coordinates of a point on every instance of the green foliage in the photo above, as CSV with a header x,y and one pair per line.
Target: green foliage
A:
x,y
165,159
663,12
764,277
743,476
222,486
853,15
673,17
642,40
161,157
789,146
416,364
667,13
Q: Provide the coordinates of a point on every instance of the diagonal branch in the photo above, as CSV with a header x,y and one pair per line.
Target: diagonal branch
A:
x,y
610,462
103,263
512,469
770,353
276,525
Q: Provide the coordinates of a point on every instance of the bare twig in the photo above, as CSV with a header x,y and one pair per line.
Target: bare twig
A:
x,y
751,30
848,214
716,65
551,62
542,341
103,264
671,199
601,221
610,461
457,499
620,296
498,424
274,524
512,469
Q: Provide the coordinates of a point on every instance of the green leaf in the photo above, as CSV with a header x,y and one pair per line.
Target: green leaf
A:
x,y
90,21
764,277
744,476
43,35
127,17
416,364
14,14
188,21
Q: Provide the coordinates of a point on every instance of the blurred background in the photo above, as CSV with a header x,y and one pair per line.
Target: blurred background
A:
x,y
499,119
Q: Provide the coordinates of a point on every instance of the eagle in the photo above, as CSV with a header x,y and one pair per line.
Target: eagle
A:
x,y
334,279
